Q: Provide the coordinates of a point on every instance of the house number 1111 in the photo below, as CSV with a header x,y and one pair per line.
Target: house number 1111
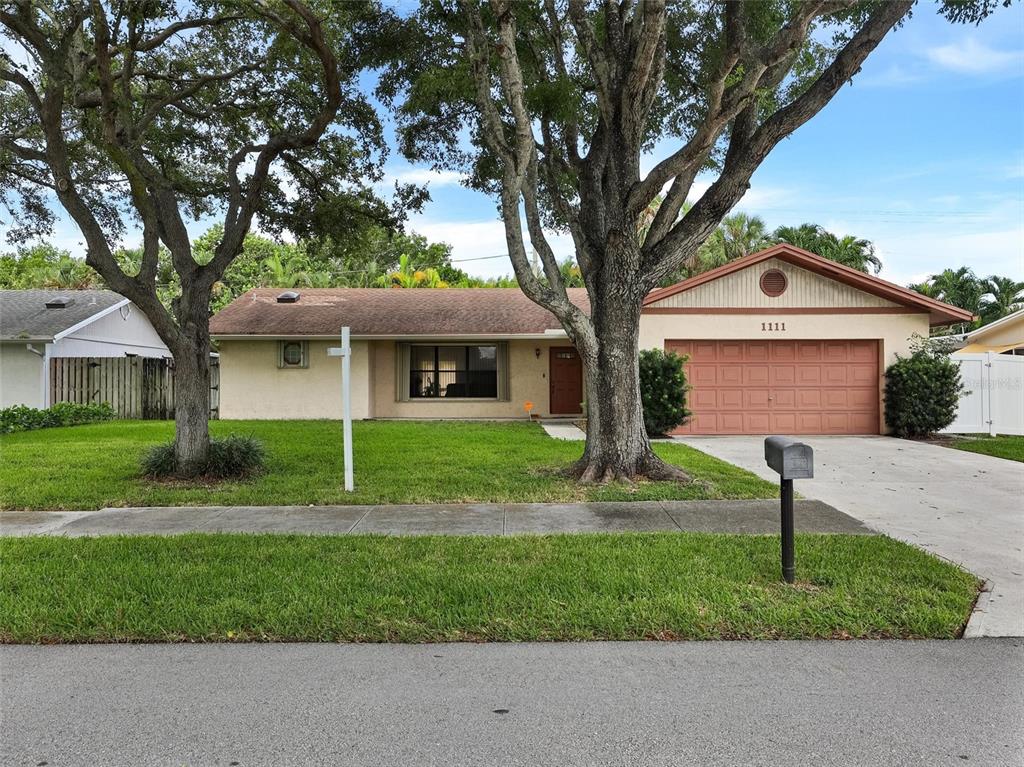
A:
x,y
766,326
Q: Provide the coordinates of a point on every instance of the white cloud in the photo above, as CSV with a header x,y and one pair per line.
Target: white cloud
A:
x,y
893,77
478,247
968,56
910,255
422,176
757,197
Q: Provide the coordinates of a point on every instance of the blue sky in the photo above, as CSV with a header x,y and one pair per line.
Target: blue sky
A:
x,y
923,154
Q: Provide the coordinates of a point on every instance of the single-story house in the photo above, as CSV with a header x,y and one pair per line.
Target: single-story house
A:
x,y
1004,336
778,341
37,326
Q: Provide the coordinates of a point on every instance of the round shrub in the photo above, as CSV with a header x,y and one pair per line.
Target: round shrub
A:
x,y
922,393
662,390
231,457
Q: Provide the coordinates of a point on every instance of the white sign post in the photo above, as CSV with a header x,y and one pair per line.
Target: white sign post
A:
x,y
345,352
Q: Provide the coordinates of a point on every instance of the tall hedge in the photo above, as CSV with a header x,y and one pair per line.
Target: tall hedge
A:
x,y
662,390
922,393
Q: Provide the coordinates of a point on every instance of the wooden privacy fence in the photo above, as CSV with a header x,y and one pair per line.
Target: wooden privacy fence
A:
x,y
136,387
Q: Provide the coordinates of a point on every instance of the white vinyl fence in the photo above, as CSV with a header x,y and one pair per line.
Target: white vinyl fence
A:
x,y
994,401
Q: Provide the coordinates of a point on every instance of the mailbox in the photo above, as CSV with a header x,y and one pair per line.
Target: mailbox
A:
x,y
791,459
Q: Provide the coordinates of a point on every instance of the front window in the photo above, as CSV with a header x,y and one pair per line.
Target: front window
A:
x,y
453,371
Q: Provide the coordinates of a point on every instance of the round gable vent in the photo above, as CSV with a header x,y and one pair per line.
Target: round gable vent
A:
x,y
773,283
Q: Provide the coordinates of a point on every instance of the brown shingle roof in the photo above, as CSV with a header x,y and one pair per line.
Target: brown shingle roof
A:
x,y
388,312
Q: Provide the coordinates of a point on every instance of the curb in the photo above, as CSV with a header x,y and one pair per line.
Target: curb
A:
x,y
975,628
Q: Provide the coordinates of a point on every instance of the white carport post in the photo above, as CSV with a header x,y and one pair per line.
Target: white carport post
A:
x,y
345,352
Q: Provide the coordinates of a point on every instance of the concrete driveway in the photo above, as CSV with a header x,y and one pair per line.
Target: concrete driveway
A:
x,y
965,507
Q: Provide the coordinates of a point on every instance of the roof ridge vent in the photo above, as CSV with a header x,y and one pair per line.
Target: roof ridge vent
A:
x,y
59,302
288,297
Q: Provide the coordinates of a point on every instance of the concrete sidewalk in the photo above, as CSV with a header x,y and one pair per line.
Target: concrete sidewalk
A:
x,y
758,517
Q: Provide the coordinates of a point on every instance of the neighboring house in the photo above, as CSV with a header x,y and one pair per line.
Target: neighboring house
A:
x,y
1004,336
37,326
779,341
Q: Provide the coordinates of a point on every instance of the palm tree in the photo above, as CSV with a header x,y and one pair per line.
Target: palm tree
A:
x,y
408,276
924,288
854,252
1002,296
67,274
429,278
571,274
958,287
743,235
805,236
280,273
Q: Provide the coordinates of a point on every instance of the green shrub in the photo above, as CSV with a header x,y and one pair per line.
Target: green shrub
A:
x,y
232,457
24,418
922,392
663,390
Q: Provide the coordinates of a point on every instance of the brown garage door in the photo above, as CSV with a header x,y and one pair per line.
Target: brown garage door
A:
x,y
781,387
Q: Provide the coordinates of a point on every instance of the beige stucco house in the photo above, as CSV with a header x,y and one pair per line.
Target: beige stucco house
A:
x,y
1004,336
778,341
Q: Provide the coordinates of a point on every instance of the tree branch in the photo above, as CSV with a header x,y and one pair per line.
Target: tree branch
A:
x,y
749,147
760,68
242,208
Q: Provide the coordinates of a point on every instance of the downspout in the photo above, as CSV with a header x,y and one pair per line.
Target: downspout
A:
x,y
45,356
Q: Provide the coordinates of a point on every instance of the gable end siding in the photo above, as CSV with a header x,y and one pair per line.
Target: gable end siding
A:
x,y
742,290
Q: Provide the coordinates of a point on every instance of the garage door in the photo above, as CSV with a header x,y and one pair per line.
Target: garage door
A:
x,y
781,387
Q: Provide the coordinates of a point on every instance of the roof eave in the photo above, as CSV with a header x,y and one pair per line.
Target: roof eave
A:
x,y
550,334
986,329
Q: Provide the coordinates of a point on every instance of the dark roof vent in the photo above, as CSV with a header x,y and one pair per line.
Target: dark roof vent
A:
x,y
773,283
288,297
59,302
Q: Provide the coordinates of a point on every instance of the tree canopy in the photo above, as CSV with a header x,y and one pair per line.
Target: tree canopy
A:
x,y
150,115
990,298
854,252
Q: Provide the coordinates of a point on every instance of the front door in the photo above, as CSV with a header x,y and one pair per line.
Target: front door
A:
x,y
566,374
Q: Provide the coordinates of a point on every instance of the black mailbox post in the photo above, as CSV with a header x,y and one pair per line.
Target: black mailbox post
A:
x,y
792,460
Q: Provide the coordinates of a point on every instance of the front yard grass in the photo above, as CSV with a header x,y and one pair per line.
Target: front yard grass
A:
x,y
90,467
1009,447
217,588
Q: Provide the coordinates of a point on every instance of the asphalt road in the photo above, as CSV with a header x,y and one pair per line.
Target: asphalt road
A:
x,y
711,703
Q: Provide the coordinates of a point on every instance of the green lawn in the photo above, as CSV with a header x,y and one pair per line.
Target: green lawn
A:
x,y
89,467
1009,447
565,587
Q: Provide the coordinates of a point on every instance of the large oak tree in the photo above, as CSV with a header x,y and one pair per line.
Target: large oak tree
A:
x,y
150,113
552,107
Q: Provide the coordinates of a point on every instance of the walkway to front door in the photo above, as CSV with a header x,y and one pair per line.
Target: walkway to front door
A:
x,y
566,375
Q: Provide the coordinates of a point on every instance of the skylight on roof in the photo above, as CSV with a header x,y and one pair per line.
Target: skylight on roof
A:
x,y
59,302
288,297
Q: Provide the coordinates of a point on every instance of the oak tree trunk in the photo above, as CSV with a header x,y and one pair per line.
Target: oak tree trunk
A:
x,y
617,446
192,391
